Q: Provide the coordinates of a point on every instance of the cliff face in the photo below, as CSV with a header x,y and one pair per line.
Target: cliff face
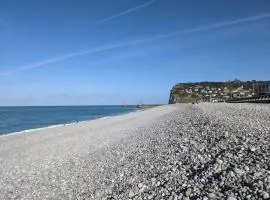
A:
x,y
211,91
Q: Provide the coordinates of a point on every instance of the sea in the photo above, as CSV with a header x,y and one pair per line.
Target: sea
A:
x,y
25,118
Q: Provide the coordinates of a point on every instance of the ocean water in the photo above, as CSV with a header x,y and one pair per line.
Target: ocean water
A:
x,y
16,119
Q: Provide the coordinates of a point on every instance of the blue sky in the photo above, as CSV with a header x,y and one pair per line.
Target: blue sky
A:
x,y
67,52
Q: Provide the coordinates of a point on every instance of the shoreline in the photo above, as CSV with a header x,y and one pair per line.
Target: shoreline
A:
x,y
63,125
138,154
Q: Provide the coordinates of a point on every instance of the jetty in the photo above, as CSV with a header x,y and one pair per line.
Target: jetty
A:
x,y
145,106
254,99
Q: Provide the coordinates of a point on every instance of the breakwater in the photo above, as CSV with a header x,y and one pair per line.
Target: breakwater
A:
x,y
255,99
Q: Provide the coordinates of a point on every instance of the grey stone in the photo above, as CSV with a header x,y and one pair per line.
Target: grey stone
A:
x,y
246,168
219,161
131,194
231,198
211,195
188,192
266,195
257,174
238,171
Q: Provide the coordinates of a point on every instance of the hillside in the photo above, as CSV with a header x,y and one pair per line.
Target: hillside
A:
x,y
210,91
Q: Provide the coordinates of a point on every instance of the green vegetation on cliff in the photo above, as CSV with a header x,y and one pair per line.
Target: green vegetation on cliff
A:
x,y
211,91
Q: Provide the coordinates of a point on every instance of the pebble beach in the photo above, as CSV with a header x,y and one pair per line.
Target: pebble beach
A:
x,y
181,151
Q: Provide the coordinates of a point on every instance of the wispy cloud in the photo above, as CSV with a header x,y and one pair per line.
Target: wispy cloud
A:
x,y
126,11
136,42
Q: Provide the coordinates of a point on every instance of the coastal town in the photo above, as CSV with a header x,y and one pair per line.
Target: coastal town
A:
x,y
217,91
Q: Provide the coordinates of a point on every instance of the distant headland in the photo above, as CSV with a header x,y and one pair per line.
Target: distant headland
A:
x,y
217,91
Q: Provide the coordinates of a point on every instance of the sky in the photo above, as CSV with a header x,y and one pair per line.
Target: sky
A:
x,y
106,52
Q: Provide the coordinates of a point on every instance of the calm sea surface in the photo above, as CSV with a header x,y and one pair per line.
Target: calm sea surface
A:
x,y
15,119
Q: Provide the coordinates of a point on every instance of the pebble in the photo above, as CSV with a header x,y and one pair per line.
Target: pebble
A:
x,y
238,171
219,161
257,174
266,195
267,179
158,184
226,134
246,168
211,195
131,194
188,192
186,198
231,198
252,149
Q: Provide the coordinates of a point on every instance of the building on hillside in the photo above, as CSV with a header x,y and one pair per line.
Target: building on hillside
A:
x,y
264,87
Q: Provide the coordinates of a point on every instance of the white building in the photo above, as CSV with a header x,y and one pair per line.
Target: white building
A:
x,y
264,87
